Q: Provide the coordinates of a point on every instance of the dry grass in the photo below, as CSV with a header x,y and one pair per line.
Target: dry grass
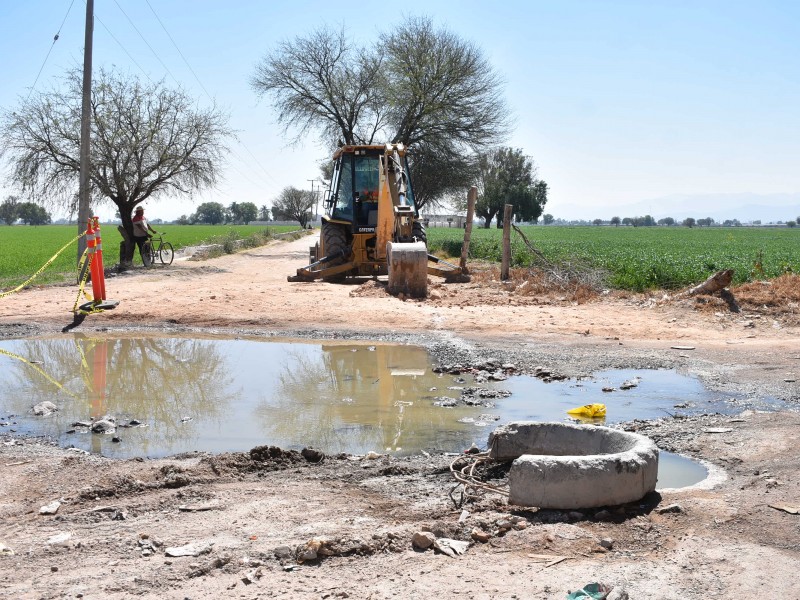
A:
x,y
563,286
777,298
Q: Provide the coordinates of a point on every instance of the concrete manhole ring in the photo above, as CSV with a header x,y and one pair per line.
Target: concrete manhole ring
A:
x,y
566,466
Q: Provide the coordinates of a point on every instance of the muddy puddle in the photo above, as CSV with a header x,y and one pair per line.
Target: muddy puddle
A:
x,y
180,394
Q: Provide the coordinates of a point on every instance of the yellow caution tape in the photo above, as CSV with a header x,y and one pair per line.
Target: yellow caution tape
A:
x,y
592,411
44,266
41,372
87,270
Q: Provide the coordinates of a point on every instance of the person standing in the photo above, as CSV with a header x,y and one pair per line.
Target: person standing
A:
x,y
141,233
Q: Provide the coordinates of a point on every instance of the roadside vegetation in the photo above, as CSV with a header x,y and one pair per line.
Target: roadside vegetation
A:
x,y
633,259
23,250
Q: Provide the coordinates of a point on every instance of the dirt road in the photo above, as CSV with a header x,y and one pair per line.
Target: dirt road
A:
x,y
244,516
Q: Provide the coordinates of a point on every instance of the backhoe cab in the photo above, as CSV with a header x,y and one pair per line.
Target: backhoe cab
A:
x,y
371,225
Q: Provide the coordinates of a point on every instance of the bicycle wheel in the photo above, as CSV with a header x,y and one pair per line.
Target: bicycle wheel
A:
x,y
147,254
166,253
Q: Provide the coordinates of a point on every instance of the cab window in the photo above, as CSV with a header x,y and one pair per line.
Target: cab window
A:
x,y
366,176
344,195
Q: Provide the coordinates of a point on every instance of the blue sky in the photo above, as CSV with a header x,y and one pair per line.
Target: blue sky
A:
x,y
618,103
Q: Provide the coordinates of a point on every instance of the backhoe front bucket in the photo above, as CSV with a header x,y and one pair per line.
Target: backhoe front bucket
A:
x,y
408,268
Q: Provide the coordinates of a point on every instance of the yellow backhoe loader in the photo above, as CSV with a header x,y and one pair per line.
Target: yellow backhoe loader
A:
x,y
372,227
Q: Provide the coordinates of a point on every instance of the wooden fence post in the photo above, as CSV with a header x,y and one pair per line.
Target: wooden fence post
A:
x,y
507,212
472,197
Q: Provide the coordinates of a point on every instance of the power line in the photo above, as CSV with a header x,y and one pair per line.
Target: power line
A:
x,y
124,49
158,58
55,39
200,83
186,62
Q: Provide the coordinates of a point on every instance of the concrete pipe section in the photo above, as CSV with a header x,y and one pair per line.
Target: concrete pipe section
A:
x,y
560,465
408,268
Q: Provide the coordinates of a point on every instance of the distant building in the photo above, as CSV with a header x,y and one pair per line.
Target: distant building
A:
x,y
457,221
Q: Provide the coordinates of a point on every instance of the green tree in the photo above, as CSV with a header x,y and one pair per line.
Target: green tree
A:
x,y
548,219
212,213
597,222
147,141
507,176
688,222
264,213
419,85
645,221
9,210
667,221
243,212
615,221
294,205
33,214
791,223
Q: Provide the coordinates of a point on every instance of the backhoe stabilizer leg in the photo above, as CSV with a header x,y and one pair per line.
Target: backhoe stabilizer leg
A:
x,y
453,274
308,273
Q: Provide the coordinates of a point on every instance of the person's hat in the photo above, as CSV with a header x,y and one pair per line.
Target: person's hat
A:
x,y
139,209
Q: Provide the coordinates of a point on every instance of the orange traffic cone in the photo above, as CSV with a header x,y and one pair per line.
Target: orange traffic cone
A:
x,y
98,260
91,245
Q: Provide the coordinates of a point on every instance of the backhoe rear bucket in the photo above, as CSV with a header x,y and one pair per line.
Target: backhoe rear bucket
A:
x,y
408,268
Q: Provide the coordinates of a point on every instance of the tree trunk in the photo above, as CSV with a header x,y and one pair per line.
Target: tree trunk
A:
x,y
127,246
471,199
504,268
718,281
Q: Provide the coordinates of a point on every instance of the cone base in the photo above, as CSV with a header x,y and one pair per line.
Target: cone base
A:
x,y
102,305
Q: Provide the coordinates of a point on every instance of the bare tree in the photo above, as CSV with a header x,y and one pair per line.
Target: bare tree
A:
x,y
422,86
322,82
294,205
147,141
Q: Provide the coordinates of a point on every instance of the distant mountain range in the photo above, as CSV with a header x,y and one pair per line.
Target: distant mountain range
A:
x,y
745,207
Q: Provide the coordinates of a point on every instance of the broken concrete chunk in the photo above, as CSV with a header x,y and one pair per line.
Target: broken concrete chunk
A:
x,y
60,539
106,424
450,547
195,549
44,409
50,509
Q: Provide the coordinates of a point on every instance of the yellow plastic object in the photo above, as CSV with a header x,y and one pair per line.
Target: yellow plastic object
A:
x,y
591,411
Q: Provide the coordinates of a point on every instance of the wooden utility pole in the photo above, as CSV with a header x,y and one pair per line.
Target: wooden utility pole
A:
x,y
508,211
314,195
84,189
472,197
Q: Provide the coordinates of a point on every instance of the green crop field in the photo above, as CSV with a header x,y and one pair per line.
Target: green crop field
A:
x,y
24,249
640,258
632,258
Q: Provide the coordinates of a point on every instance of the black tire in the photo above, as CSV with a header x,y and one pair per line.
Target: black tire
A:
x,y
418,232
147,254
166,253
334,239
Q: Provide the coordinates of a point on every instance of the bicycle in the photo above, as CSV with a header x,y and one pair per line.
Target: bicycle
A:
x,y
156,247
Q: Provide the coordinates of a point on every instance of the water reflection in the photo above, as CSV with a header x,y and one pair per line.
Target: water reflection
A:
x,y
220,394
175,386
357,398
